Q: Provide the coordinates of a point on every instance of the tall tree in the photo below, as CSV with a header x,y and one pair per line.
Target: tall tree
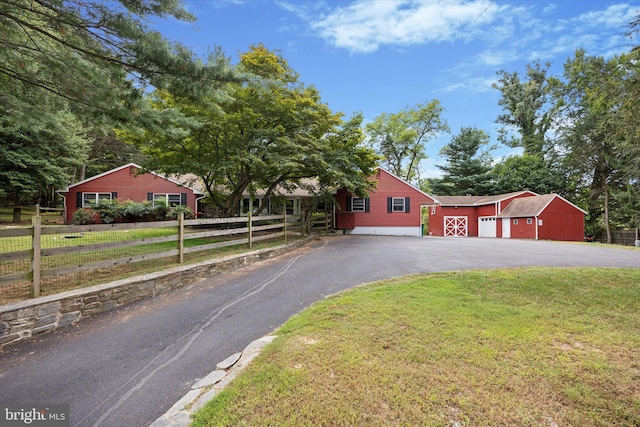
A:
x,y
275,131
36,153
90,59
529,108
100,56
468,168
600,134
400,138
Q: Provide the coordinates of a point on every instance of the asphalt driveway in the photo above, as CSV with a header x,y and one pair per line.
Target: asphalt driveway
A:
x,y
127,367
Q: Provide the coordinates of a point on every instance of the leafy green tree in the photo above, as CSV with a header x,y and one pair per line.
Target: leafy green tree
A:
x,y
93,60
600,134
400,138
529,108
275,131
36,153
468,169
529,172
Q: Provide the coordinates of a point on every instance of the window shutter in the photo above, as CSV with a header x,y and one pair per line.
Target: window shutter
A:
x,y
349,206
406,204
78,200
389,204
114,195
150,197
183,199
367,205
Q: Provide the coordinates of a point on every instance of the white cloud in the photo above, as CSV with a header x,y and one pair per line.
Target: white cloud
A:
x,y
470,85
365,25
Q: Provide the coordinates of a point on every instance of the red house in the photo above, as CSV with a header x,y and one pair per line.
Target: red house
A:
x,y
128,183
393,208
522,214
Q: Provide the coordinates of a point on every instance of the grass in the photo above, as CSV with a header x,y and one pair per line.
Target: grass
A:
x,y
48,217
525,347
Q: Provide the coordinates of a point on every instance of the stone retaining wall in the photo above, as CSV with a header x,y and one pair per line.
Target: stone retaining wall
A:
x,y
25,319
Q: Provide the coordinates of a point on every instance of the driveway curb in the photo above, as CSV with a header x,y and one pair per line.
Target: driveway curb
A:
x,y
205,389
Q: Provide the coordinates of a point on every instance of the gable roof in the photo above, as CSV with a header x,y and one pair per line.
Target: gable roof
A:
x,y
180,184
413,187
532,206
479,200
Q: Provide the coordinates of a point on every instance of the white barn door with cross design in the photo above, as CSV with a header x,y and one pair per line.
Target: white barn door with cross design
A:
x,y
456,226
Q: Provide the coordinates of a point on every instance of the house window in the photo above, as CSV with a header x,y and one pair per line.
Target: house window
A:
x,y
94,199
398,204
254,203
529,221
167,199
515,222
293,206
358,204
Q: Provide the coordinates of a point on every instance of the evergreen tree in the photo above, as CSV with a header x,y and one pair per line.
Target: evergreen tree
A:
x,y
468,169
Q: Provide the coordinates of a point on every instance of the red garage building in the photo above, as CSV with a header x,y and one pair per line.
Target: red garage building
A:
x,y
547,217
522,214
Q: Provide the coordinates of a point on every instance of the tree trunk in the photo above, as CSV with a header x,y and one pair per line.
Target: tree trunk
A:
x,y
606,213
17,214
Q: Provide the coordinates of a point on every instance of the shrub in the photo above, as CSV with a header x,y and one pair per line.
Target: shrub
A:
x,y
109,211
129,211
159,211
82,216
175,211
135,211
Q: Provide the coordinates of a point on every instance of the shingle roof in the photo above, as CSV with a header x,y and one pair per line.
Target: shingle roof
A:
x,y
476,200
527,206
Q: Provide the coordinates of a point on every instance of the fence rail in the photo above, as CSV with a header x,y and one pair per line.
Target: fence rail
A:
x,y
47,259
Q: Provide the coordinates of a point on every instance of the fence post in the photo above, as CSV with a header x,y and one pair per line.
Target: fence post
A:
x,y
249,223
181,238
36,260
284,228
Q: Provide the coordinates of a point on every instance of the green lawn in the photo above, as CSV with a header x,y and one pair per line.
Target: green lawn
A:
x,y
511,347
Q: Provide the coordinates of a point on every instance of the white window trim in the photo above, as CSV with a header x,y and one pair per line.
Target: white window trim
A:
x,y
166,198
361,202
393,204
96,199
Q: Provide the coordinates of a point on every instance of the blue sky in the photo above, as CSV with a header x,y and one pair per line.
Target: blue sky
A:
x,y
380,56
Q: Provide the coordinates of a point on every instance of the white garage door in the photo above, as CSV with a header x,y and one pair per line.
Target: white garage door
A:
x,y
456,226
487,226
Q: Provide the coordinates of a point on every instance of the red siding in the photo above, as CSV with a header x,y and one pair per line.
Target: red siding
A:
x,y
561,221
128,186
486,210
522,230
387,186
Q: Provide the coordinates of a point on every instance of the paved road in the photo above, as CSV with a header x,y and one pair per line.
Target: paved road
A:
x,y
127,367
